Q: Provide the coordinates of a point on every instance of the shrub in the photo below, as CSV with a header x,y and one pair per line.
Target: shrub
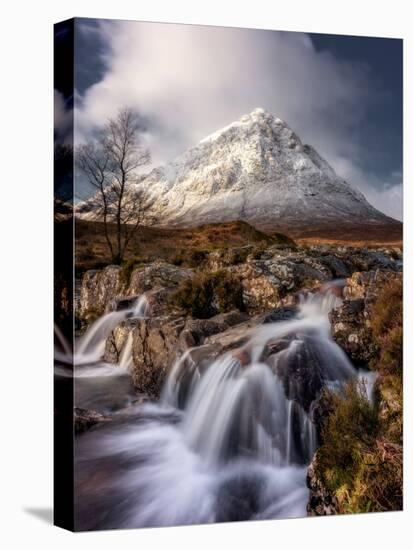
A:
x,y
349,430
197,256
357,462
360,460
209,293
126,270
387,327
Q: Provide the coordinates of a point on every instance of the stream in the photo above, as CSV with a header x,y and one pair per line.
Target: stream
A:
x,y
223,443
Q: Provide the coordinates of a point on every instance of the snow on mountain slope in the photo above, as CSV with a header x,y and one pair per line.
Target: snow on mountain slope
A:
x,y
256,169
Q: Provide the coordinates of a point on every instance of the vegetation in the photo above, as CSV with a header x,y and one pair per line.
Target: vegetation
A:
x,y
126,270
209,293
183,247
360,458
387,328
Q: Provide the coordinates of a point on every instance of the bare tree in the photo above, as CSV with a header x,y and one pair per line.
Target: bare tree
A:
x,y
111,162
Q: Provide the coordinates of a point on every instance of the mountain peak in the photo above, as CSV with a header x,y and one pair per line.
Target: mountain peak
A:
x,y
254,121
256,169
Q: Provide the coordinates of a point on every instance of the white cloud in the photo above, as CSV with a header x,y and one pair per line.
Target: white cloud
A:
x,y
189,81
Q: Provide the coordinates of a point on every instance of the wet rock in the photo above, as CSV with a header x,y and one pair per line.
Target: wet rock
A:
x,y
197,331
280,314
239,498
299,367
116,342
320,502
337,267
234,337
122,303
154,349
158,342
86,418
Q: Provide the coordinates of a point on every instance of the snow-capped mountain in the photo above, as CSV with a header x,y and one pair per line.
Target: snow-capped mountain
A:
x,y
257,170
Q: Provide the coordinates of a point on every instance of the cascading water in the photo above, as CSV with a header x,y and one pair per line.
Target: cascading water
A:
x,y
229,441
91,346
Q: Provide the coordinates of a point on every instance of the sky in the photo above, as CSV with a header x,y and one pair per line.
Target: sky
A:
x,y
341,94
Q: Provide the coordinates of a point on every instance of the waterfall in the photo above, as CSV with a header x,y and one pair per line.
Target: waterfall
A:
x,y
242,410
227,441
91,346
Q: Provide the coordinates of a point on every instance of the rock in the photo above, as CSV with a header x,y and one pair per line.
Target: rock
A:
x,y
234,337
197,331
299,368
158,342
154,349
280,314
86,418
320,502
349,328
260,289
219,259
351,322
267,283
155,276
116,341
336,266
103,290
99,288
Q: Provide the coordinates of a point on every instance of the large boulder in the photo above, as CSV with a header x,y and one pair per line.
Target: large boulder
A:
x,y
99,288
271,281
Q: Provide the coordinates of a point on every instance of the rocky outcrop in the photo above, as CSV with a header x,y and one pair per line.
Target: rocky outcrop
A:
x,y
270,277
320,502
158,341
351,322
107,290
99,288
271,284
155,276
272,280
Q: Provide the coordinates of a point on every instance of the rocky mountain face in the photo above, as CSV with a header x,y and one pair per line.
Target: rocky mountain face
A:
x,y
258,170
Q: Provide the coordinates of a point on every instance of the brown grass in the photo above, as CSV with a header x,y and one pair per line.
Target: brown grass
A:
x,y
185,247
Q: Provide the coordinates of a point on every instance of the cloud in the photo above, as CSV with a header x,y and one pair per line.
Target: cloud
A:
x,y
188,81
63,119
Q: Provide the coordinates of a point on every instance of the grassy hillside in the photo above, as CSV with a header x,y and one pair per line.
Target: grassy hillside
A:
x,y
179,246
